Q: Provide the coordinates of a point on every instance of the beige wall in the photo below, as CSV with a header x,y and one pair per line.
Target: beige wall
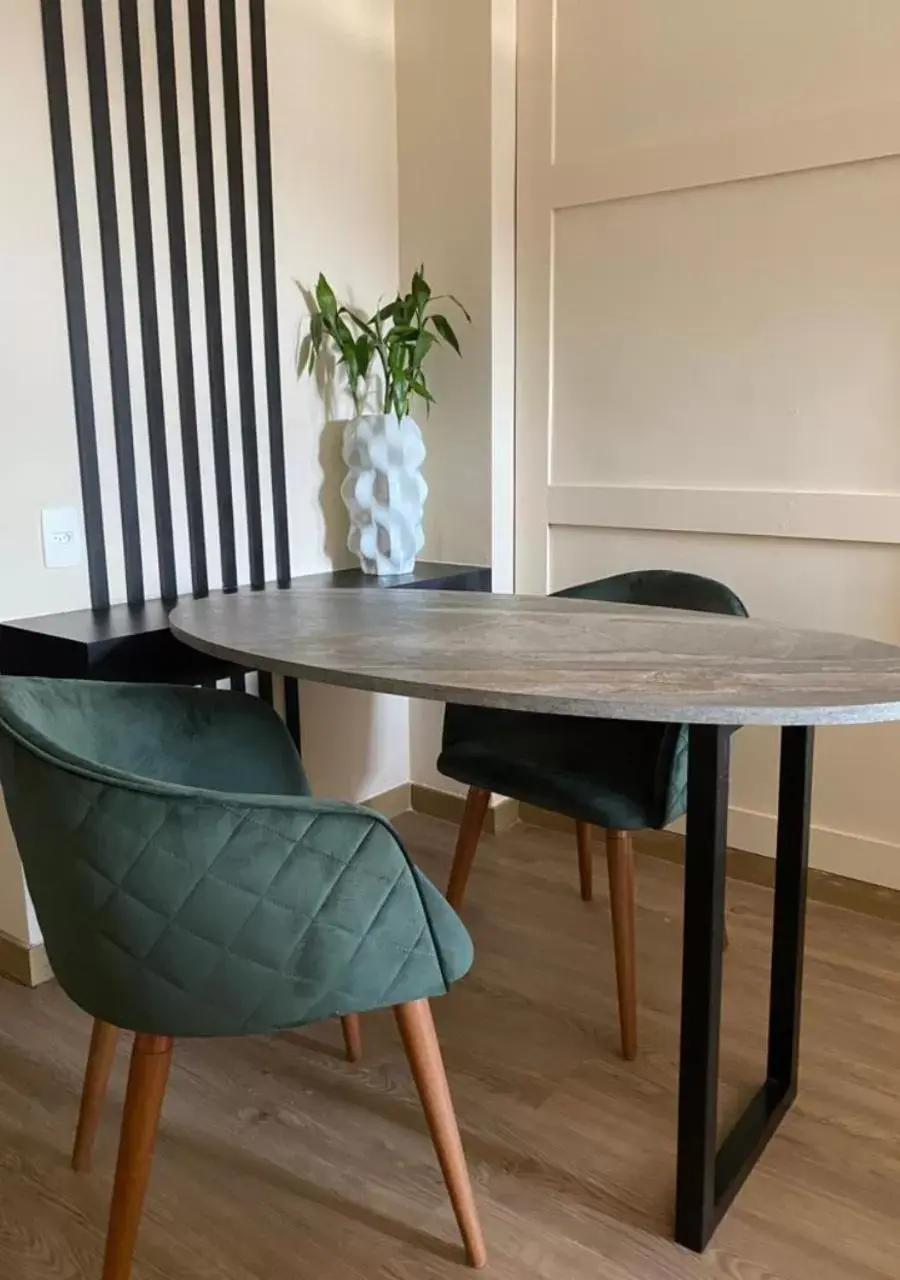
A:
x,y
336,210
456,132
333,105
444,140
709,336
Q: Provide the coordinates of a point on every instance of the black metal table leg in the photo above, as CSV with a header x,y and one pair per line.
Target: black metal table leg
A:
x,y
708,1179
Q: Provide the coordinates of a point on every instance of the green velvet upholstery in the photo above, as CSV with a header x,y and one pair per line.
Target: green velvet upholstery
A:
x,y
617,774
185,881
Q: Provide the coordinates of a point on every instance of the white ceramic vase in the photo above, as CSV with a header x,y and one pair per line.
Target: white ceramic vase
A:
x,y
384,491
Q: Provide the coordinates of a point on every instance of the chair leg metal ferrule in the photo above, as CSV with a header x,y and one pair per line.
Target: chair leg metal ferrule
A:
x,y
709,1176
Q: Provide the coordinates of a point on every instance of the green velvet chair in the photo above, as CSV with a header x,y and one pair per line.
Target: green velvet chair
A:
x,y
620,775
188,885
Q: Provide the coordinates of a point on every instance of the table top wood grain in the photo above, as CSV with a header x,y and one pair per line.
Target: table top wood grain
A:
x,y
553,655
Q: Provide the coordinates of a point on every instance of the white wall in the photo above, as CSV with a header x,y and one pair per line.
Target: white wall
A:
x,y
709,330
336,210
40,462
333,108
456,131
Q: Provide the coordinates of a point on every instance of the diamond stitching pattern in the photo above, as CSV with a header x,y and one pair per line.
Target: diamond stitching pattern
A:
x,y
676,791
318,912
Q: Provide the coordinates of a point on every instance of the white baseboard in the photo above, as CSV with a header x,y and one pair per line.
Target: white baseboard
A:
x,y
26,963
841,853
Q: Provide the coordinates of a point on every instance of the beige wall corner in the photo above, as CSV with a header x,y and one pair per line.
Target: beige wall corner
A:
x,y
456,124
390,804
456,129
444,150
504,32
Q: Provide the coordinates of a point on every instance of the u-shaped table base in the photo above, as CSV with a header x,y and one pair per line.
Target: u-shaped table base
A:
x,y
708,1176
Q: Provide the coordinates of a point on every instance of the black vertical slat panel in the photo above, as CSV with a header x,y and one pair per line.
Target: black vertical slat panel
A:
x,y
98,92
262,133
266,692
212,291
292,709
76,311
135,119
239,683
240,271
181,307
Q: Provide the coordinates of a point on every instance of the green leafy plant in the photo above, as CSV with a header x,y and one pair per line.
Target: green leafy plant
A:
x,y
396,340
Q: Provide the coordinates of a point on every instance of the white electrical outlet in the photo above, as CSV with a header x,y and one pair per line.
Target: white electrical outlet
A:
x,y
61,529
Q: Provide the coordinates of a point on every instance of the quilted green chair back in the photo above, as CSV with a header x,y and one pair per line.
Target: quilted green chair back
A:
x,y
663,589
621,774
184,882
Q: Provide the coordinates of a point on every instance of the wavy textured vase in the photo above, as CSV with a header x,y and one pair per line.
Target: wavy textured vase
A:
x,y
384,491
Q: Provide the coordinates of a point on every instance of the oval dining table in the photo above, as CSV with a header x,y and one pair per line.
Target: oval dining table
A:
x,y
586,658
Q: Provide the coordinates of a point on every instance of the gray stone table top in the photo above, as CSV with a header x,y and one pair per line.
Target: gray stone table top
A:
x,y
571,657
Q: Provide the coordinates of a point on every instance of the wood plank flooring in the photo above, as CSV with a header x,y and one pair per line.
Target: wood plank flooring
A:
x,y
280,1161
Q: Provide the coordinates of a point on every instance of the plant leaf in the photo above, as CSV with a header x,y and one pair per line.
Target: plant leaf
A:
x,y
358,320
461,307
342,332
397,358
401,333
325,298
311,348
445,329
420,289
424,342
363,355
401,396
404,310
451,297
421,389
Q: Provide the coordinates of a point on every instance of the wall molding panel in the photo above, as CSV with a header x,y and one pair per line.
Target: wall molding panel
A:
x,y
708,335
761,513
794,146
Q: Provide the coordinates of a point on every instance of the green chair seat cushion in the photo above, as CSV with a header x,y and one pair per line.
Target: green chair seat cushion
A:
x,y
178,909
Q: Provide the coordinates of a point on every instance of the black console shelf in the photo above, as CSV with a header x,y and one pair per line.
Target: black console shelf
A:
x,y
128,642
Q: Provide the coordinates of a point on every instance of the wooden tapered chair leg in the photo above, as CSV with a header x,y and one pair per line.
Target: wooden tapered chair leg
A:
x,y
620,863
101,1056
585,860
352,1030
477,802
147,1079
424,1054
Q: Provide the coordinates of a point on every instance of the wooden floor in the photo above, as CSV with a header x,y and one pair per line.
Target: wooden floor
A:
x,y
279,1161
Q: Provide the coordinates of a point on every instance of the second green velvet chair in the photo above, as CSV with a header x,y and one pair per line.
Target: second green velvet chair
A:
x,y
187,885
620,775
